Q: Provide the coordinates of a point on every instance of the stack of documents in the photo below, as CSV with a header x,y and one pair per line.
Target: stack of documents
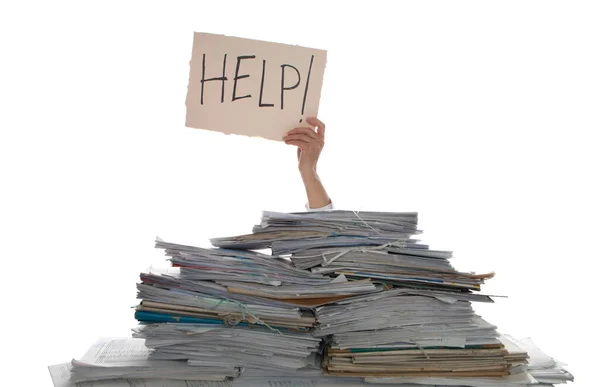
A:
x,y
541,367
237,348
418,268
421,324
541,370
396,333
109,357
345,298
131,359
288,233
235,308
237,287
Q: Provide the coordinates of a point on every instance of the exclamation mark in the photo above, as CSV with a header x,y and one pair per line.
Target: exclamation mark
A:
x,y
312,57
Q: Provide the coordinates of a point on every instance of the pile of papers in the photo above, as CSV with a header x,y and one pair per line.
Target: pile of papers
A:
x,y
400,334
541,371
233,348
237,287
287,233
422,325
238,309
130,359
541,367
345,298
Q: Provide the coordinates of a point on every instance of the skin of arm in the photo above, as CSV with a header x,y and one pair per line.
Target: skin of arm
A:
x,y
310,142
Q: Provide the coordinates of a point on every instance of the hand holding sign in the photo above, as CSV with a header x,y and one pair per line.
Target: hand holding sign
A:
x,y
310,142
261,89
251,87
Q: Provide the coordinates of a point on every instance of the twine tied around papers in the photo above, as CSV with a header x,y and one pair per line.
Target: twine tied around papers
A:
x,y
365,223
420,347
344,228
244,310
361,249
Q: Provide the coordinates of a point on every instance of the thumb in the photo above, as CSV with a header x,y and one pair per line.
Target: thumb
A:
x,y
318,124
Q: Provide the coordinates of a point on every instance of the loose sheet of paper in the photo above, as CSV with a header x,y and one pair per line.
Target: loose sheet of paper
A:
x,y
60,377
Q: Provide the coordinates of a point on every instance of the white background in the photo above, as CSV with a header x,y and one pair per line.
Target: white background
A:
x,y
480,115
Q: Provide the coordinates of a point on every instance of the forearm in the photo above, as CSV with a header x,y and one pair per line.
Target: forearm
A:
x,y
315,192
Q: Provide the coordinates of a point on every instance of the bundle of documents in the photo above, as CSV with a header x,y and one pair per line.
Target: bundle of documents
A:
x,y
345,298
237,348
237,288
421,324
288,233
234,308
131,359
542,367
396,333
542,370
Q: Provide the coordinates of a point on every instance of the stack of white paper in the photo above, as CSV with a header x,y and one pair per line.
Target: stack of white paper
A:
x,y
346,298
206,346
288,233
542,371
131,359
236,287
399,333
234,308
542,367
423,324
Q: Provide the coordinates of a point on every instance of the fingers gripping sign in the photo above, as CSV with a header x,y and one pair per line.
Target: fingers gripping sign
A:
x,y
310,142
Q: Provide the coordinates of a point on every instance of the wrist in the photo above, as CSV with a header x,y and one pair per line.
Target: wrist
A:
x,y
309,173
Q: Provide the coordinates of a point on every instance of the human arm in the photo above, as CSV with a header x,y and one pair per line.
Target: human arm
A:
x,y
310,142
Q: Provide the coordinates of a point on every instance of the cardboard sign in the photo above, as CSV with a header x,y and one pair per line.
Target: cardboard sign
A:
x,y
251,87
